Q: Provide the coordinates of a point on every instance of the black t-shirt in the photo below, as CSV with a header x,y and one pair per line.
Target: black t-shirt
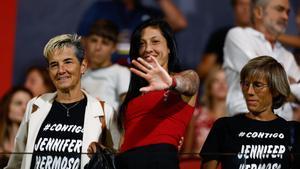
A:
x,y
59,141
240,142
295,141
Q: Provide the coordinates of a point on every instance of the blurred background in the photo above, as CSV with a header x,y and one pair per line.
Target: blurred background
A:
x,y
26,25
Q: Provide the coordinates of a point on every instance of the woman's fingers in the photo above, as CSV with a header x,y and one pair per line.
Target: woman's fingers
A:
x,y
146,89
154,60
138,72
147,64
141,67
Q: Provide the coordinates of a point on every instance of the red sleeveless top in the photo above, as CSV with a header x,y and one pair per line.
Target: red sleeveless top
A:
x,y
153,118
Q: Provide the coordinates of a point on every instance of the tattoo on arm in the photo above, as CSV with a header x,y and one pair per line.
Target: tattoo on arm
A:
x,y
187,82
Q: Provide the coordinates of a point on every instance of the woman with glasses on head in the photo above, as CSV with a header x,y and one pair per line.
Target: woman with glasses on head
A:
x,y
259,138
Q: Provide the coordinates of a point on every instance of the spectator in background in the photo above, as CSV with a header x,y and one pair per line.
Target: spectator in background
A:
x,y
12,109
292,40
258,138
103,79
38,81
159,103
269,20
207,112
213,53
128,14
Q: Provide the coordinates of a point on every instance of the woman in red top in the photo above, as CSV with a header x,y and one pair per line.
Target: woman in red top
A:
x,y
159,103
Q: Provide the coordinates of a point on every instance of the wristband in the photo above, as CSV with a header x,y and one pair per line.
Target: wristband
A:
x,y
174,84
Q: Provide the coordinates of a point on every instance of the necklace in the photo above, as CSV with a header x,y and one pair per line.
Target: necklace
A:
x,y
69,108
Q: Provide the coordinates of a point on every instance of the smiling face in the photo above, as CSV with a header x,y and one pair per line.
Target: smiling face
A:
x,y
257,94
65,69
153,43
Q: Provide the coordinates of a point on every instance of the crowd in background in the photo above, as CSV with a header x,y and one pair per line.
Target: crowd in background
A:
x,y
106,28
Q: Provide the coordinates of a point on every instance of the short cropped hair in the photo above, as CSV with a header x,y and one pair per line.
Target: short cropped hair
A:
x,y
106,29
64,40
267,67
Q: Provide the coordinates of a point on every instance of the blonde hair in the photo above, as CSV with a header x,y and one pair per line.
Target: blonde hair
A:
x,y
64,40
207,95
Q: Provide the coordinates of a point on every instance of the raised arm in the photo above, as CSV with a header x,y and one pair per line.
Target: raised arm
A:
x,y
173,15
290,40
185,82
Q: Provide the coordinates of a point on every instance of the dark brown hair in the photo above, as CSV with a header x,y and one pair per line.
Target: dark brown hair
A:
x,y
45,76
106,29
4,110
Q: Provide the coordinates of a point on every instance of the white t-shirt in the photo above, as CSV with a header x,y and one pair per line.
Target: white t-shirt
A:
x,y
107,84
243,44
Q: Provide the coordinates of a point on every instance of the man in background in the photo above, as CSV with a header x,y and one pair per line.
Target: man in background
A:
x,y
269,19
104,80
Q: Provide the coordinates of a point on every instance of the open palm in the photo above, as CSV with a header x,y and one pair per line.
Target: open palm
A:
x,y
157,77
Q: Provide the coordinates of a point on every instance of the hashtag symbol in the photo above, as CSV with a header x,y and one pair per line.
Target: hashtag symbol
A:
x,y
241,134
47,127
